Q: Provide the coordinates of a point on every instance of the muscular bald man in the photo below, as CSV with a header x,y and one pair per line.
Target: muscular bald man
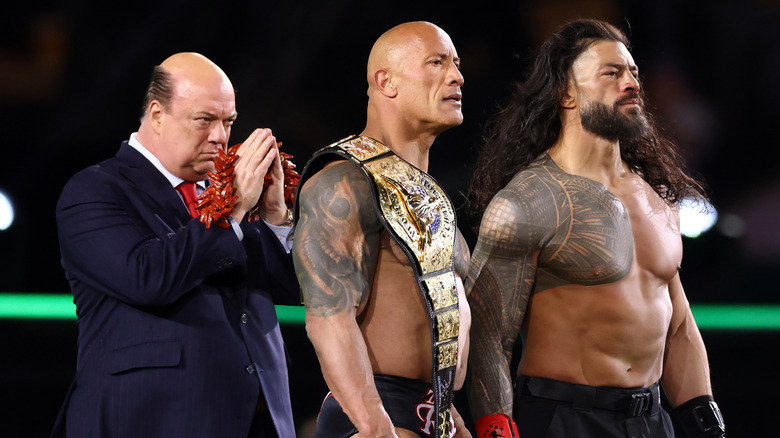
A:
x,y
379,257
178,334
578,252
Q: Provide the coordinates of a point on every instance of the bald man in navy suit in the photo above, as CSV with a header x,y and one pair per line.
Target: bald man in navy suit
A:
x,y
178,335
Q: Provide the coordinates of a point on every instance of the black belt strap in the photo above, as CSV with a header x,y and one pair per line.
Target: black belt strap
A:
x,y
632,401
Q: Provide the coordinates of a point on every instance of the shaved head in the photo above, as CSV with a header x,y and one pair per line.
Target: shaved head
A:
x,y
414,82
393,46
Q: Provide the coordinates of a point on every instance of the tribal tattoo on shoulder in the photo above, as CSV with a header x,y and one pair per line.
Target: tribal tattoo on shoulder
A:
x,y
461,255
336,240
592,241
499,285
545,229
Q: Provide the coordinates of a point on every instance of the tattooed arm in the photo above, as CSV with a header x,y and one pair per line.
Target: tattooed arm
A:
x,y
335,254
499,284
461,256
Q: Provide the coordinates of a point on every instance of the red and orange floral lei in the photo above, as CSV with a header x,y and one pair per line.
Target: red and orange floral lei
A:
x,y
216,203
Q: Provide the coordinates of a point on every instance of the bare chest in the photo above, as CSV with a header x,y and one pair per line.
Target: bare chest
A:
x,y
590,240
395,289
655,229
395,296
598,236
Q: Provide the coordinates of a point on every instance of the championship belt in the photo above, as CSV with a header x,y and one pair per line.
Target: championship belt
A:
x,y
420,217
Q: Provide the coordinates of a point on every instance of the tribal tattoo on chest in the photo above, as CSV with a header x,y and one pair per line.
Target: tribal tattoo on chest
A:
x,y
545,229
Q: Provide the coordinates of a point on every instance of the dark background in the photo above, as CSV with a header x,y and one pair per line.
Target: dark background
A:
x,y
72,75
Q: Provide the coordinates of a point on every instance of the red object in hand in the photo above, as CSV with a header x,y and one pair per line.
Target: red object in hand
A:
x,y
496,426
218,200
290,177
216,203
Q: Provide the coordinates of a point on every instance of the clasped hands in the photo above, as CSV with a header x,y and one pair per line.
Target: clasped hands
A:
x,y
259,156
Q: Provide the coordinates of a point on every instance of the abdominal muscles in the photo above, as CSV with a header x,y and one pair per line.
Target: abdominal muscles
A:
x,y
603,335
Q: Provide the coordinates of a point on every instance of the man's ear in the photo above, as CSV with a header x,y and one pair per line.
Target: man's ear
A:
x,y
384,83
155,114
568,101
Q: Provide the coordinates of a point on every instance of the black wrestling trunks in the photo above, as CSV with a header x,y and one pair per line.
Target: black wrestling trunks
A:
x,y
408,402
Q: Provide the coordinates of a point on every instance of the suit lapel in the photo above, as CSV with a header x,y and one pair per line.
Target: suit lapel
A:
x,y
172,214
152,185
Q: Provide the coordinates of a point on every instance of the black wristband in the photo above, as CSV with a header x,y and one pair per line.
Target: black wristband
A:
x,y
700,418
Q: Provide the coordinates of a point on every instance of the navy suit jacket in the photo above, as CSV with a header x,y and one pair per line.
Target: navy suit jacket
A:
x,y
178,335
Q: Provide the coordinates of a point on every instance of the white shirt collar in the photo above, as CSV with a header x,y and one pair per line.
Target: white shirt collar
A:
x,y
173,179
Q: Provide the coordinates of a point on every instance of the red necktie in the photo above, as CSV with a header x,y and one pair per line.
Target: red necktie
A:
x,y
187,190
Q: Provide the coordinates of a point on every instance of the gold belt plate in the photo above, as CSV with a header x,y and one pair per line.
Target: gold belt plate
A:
x,y
417,209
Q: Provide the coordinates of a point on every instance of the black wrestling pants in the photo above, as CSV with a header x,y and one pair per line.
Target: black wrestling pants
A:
x,y
545,408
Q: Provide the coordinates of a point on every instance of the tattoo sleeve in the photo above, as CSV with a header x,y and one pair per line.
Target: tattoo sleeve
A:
x,y
499,285
335,254
544,230
336,240
461,255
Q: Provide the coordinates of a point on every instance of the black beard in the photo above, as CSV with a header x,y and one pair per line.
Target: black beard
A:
x,y
612,124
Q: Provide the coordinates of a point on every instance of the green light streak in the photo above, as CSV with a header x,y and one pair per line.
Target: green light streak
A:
x,y
60,306
708,316
290,314
737,316
37,306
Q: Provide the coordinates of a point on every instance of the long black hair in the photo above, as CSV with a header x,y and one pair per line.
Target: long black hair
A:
x,y
529,124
